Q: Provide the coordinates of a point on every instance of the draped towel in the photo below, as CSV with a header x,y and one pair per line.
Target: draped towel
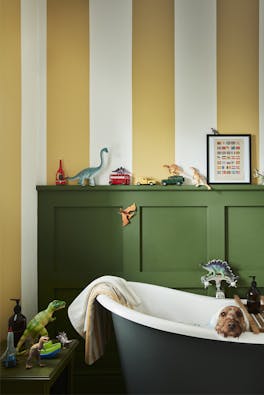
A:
x,y
92,321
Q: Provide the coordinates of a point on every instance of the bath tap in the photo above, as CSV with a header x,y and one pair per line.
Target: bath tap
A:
x,y
219,271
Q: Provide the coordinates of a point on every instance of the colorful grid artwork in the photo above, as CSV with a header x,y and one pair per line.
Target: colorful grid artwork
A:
x,y
229,158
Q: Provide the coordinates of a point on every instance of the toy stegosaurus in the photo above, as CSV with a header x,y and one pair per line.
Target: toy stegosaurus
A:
x,y
220,270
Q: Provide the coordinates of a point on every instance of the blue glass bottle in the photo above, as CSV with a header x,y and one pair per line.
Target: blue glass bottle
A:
x,y
9,356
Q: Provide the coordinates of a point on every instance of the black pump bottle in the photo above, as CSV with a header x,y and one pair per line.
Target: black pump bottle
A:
x,y
253,297
17,322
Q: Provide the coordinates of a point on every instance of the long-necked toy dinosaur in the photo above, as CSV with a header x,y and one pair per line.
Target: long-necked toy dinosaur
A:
x,y
89,173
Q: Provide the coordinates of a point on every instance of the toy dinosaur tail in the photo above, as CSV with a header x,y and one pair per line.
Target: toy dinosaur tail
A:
x,y
22,340
72,178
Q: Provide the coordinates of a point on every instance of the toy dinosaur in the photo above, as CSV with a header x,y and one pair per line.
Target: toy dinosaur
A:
x,y
88,173
127,213
36,326
260,175
221,270
199,179
174,169
63,339
34,352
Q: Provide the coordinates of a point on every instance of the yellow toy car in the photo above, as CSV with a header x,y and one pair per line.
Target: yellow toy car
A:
x,y
145,181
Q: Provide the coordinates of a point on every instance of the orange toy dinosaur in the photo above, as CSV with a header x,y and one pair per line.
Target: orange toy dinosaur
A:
x,y
199,179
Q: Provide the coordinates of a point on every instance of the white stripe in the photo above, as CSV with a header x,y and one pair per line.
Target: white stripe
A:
x,y
111,84
195,80
261,85
33,140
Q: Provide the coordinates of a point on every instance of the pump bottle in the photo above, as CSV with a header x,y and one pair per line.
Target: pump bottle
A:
x,y
253,297
17,322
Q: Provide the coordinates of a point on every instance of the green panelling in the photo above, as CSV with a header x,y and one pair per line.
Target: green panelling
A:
x,y
88,237
174,230
170,236
244,239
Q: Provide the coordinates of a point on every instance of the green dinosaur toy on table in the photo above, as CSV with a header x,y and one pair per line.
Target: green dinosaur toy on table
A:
x,y
36,326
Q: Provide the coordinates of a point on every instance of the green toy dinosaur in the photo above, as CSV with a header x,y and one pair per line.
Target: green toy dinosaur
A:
x,y
36,327
89,172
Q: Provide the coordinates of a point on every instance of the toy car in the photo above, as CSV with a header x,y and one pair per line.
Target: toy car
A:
x,y
119,177
173,180
145,181
50,350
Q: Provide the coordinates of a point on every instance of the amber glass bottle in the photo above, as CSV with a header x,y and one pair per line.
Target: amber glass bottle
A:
x,y
17,322
253,297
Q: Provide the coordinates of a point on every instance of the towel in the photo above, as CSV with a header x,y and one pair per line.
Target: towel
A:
x,y
90,320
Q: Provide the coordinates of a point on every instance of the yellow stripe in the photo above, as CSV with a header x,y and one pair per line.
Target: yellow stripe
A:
x,y
10,121
238,81
67,86
153,86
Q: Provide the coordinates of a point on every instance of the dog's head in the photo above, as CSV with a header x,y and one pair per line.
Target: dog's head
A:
x,y
230,322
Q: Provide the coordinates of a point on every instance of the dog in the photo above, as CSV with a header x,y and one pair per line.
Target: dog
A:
x,y
231,322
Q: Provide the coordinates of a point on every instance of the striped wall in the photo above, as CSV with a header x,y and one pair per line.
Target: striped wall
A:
x,y
67,86
10,158
33,138
238,69
195,80
153,86
260,149
146,78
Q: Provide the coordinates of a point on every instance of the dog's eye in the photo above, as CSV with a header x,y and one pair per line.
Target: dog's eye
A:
x,y
239,313
223,314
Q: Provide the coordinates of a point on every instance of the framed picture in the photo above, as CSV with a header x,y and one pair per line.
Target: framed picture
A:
x,y
229,159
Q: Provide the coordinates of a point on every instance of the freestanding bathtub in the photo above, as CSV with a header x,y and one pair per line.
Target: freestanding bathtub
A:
x,y
168,346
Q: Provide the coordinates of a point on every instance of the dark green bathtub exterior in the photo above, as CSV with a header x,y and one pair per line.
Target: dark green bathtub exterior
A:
x,y
175,230
158,362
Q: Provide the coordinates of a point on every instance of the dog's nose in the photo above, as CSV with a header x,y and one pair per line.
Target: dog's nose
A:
x,y
232,325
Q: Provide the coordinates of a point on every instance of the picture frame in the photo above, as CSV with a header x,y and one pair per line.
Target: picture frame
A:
x,y
229,158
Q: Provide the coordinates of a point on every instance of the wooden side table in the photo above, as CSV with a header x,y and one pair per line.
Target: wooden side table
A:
x,y
54,378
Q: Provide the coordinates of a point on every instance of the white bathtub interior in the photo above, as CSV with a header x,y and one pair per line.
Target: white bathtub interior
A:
x,y
176,311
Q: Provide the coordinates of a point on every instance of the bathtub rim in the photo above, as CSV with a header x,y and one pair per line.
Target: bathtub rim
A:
x,y
203,332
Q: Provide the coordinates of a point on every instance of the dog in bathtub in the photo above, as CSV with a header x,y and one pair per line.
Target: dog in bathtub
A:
x,y
230,321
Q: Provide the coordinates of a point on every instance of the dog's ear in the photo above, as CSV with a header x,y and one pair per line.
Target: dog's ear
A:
x,y
218,327
218,324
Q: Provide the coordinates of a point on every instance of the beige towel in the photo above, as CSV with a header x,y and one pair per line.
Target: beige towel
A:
x,y
98,322
91,320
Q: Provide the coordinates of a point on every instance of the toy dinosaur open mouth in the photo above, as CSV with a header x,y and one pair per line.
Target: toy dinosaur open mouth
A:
x,y
61,307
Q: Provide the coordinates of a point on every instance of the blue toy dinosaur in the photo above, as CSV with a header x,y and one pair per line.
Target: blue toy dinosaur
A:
x,y
220,270
88,173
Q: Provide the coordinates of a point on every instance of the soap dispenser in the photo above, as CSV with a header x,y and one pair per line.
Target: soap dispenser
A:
x,y
17,322
253,297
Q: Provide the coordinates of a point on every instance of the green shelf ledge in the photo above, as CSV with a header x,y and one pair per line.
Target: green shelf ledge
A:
x,y
174,188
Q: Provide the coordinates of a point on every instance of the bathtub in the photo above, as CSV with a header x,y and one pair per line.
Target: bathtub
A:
x,y
167,345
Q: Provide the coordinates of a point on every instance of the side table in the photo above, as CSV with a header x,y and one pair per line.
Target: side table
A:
x,y
54,378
